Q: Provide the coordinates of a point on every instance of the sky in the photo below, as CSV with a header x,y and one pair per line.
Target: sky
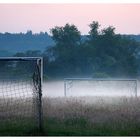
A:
x,y
16,18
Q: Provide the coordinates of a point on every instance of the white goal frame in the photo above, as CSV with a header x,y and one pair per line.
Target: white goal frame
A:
x,y
97,79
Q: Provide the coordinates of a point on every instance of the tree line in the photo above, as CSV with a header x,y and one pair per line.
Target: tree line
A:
x,y
11,43
102,53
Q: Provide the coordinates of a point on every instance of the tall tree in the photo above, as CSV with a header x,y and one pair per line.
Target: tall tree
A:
x,y
67,35
113,54
94,29
64,54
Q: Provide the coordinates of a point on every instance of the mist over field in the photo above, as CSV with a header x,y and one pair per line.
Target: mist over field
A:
x,y
90,88
53,89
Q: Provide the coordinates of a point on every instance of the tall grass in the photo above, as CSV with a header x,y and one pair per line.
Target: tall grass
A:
x,y
92,116
79,116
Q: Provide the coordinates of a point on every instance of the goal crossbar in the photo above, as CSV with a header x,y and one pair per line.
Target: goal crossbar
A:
x,y
20,58
99,79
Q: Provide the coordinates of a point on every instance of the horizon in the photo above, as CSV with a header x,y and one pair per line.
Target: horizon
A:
x,y
37,33
38,18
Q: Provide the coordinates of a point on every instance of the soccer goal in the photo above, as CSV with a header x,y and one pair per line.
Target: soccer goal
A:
x,y
100,87
20,95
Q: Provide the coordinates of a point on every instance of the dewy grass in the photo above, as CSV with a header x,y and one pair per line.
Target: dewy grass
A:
x,y
17,128
81,116
76,117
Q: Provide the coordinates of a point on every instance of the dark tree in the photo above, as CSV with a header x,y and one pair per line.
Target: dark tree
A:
x,y
63,56
113,54
68,35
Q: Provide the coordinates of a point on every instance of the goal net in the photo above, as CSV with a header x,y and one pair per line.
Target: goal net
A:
x,y
20,95
100,87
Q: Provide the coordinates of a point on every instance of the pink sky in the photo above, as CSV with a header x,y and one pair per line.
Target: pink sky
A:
x,y
41,17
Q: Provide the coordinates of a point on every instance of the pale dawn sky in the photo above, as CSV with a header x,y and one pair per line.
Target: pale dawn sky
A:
x,y
42,17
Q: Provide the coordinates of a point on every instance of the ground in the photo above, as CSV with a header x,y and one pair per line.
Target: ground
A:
x,y
84,116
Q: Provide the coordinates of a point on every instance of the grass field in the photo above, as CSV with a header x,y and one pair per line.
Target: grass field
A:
x,y
92,116
82,116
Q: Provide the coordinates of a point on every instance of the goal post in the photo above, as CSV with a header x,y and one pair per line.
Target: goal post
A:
x,y
93,84
21,93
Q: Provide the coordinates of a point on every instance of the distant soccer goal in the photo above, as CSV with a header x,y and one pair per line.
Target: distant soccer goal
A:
x,y
20,95
100,87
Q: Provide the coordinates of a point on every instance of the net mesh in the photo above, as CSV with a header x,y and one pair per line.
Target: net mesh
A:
x,y
18,97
